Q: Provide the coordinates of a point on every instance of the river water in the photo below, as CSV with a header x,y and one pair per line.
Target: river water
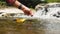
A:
x,y
43,23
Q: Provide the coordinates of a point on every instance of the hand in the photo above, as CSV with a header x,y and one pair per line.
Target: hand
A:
x,y
28,12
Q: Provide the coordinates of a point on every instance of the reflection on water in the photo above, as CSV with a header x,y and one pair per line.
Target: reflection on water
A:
x,y
42,26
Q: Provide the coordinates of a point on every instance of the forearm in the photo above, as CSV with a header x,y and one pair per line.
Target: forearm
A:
x,y
22,7
25,9
17,4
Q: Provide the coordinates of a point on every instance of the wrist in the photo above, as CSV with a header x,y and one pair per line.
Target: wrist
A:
x,y
22,7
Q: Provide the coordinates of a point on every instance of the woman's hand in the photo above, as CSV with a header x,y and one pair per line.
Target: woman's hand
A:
x,y
28,12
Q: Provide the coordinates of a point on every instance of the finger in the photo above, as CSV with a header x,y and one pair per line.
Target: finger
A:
x,y
31,13
26,14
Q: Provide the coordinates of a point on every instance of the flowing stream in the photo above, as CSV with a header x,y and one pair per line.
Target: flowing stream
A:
x,y
43,23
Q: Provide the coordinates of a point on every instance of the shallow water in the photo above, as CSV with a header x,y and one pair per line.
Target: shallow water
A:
x,y
41,24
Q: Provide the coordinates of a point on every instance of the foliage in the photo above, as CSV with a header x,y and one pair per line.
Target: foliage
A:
x,y
28,3
31,3
2,0
53,0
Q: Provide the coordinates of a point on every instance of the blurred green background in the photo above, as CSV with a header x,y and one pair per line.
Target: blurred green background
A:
x,y
32,3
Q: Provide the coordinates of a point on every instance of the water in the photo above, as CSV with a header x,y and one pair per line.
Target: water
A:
x,y
49,20
41,23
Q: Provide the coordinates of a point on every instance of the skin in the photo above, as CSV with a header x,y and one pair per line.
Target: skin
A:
x,y
25,9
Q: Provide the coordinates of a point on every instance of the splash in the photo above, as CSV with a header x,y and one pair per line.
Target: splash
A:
x,y
51,13
46,23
